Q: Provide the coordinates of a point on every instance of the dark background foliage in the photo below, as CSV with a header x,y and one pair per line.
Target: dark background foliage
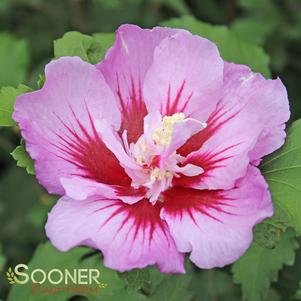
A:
x,y
27,31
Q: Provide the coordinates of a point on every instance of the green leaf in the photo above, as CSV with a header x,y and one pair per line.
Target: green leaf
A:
x,y
269,232
23,159
7,100
47,258
101,43
73,43
253,30
2,259
214,285
89,48
41,81
282,170
14,59
174,288
136,279
230,46
260,266
157,286
124,295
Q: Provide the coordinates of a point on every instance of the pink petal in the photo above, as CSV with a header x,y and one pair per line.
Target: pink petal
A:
x,y
124,68
270,99
57,123
189,170
182,131
80,189
186,76
114,144
247,124
130,236
216,226
222,148
152,121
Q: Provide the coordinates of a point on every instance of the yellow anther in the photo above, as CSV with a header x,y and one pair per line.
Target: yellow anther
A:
x,y
163,134
140,153
171,120
156,174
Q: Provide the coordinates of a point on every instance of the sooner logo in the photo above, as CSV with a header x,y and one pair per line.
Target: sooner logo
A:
x,y
22,275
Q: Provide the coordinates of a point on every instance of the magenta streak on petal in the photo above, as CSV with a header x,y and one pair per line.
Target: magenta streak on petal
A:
x,y
214,123
172,107
132,113
122,191
180,200
207,161
89,153
144,216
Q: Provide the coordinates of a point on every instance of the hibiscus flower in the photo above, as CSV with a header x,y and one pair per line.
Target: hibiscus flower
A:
x,y
154,150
